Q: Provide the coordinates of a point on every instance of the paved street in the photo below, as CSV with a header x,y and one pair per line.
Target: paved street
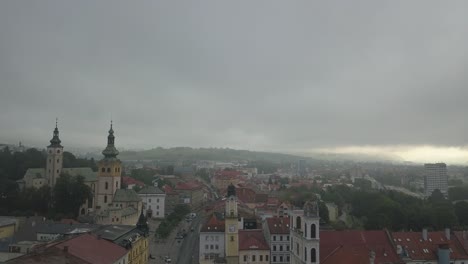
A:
x,y
181,251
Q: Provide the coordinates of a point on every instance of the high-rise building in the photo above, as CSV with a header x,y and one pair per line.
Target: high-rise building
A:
x,y
301,168
435,177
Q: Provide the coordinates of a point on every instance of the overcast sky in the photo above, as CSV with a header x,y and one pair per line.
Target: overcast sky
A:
x,y
261,75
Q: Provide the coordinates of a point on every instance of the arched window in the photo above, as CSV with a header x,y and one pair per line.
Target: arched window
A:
x,y
58,150
298,222
313,255
106,186
313,233
305,254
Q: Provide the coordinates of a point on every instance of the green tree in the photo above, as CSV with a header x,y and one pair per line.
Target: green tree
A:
x,y
69,194
461,210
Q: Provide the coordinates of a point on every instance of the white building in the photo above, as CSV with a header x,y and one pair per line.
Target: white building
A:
x,y
153,201
276,230
304,232
212,240
435,177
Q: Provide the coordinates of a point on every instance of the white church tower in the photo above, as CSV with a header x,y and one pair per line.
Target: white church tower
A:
x,y
54,158
305,235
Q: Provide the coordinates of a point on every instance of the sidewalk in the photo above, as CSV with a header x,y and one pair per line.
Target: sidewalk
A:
x,y
159,248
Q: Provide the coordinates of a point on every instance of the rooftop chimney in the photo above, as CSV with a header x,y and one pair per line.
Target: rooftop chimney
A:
x,y
447,233
424,234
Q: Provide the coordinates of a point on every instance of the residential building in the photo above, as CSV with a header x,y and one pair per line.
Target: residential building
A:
x,y
86,249
8,226
430,247
212,240
253,247
305,236
153,201
357,247
435,177
171,200
276,230
191,193
332,211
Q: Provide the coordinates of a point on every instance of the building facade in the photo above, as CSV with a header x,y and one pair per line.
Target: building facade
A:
x,y
276,230
435,177
304,232
212,240
232,227
154,201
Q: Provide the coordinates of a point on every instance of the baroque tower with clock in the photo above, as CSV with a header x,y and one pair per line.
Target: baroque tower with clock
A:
x,y
231,226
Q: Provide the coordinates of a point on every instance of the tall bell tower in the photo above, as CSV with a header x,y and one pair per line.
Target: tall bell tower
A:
x,y
231,226
54,158
109,173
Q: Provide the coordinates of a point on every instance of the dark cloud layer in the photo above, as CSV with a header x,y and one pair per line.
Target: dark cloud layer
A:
x,y
269,75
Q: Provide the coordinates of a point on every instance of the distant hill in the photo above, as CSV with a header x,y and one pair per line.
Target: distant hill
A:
x,y
216,154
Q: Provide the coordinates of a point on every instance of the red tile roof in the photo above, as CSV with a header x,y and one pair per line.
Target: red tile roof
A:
x,y
354,246
213,225
462,237
168,189
420,249
245,195
129,181
192,185
252,239
228,173
278,225
93,250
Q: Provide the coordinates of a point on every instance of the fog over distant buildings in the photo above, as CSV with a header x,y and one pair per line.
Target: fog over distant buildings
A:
x,y
296,77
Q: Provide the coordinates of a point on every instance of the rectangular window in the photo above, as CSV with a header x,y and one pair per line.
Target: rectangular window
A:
x,y
245,258
253,258
216,247
274,258
206,246
274,238
149,200
211,247
266,257
281,238
261,257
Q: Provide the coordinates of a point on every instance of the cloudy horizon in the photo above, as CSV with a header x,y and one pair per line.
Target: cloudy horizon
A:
x,y
297,76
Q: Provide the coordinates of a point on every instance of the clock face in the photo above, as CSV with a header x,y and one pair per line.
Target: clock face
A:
x,y
232,228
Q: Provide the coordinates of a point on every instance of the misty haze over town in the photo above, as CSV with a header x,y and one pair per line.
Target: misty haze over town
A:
x,y
233,132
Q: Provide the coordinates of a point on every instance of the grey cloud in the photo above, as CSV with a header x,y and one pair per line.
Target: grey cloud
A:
x,y
272,75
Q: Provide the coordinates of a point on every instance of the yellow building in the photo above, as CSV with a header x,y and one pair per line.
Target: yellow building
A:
x,y
231,227
113,204
139,251
8,227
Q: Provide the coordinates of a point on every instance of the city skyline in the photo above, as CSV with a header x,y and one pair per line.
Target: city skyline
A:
x,y
280,77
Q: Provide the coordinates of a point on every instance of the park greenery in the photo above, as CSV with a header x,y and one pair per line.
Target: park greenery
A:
x,y
172,220
373,209
63,200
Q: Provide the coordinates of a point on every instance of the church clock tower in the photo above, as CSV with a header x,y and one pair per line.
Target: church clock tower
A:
x,y
231,226
54,158
109,173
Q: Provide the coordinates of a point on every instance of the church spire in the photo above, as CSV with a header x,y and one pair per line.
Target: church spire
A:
x,y
55,141
110,151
